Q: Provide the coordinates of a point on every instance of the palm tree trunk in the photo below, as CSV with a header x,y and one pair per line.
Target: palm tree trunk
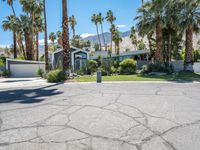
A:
x,y
103,37
28,46
189,50
74,34
32,33
111,42
170,46
98,36
45,39
14,45
65,36
159,43
37,46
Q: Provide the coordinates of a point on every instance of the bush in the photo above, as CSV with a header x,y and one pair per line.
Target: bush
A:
x,y
158,67
91,66
6,73
56,76
2,61
40,72
128,66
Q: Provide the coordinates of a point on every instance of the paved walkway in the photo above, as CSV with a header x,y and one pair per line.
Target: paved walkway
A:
x,y
107,116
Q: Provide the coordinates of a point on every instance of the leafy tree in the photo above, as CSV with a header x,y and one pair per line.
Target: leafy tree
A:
x,y
133,36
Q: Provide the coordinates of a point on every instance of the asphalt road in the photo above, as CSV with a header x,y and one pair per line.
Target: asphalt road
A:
x,y
112,116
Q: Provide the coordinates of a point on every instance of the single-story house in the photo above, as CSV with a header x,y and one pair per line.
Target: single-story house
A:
x,y
137,55
78,58
24,68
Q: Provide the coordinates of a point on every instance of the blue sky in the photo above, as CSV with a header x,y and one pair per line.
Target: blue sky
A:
x,y
124,10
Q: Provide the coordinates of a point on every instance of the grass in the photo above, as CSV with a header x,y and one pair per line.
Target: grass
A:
x,y
182,76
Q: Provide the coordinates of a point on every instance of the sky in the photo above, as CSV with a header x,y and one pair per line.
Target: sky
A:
x,y
124,10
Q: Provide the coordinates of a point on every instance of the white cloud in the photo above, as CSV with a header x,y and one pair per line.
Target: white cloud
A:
x,y
4,46
41,42
121,26
85,35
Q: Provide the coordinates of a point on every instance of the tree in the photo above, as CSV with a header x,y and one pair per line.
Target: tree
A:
x,y
65,37
151,19
52,37
59,35
190,20
72,21
133,36
100,20
45,39
110,18
117,39
95,20
10,3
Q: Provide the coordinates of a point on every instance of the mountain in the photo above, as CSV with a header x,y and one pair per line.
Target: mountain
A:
x,y
126,43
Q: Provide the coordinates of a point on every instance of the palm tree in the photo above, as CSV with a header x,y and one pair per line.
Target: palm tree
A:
x,y
39,27
72,21
110,18
52,37
100,20
65,37
151,19
32,7
45,39
133,36
190,20
59,35
94,19
10,3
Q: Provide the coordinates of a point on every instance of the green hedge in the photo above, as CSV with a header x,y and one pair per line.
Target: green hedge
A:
x,y
128,66
56,76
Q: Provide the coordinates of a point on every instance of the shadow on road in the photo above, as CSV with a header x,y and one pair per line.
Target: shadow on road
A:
x,y
29,95
11,81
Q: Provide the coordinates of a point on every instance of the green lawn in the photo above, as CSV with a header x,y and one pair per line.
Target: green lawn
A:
x,y
183,76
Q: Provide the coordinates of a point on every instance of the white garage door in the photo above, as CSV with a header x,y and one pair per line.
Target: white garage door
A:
x,y
24,70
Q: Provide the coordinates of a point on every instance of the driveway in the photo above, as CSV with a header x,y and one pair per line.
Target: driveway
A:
x,y
109,116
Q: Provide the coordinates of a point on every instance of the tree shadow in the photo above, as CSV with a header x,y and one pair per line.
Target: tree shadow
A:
x,y
29,95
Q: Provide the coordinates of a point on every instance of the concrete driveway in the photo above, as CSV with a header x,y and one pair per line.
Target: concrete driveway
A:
x,y
146,116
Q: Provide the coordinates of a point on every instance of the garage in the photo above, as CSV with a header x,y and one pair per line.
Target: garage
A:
x,y
23,68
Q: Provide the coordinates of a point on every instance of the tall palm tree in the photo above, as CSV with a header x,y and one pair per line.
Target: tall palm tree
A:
x,y
59,35
110,18
39,27
133,36
10,3
190,20
72,21
65,37
45,39
52,37
100,20
151,19
94,19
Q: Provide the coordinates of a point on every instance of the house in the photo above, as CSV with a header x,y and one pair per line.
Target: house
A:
x,y
78,58
140,55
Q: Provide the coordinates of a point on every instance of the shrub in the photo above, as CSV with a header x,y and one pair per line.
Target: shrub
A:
x,y
128,66
158,67
6,73
56,76
40,72
2,61
91,66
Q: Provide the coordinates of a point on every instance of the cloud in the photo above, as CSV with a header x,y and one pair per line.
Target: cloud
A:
x,y
4,46
85,35
41,42
121,26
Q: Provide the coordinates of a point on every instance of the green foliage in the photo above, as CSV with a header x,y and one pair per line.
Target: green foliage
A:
x,y
106,67
128,66
91,66
6,73
97,47
141,45
40,72
196,55
56,76
158,67
2,61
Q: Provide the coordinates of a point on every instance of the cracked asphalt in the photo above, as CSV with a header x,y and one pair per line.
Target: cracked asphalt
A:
x,y
111,116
